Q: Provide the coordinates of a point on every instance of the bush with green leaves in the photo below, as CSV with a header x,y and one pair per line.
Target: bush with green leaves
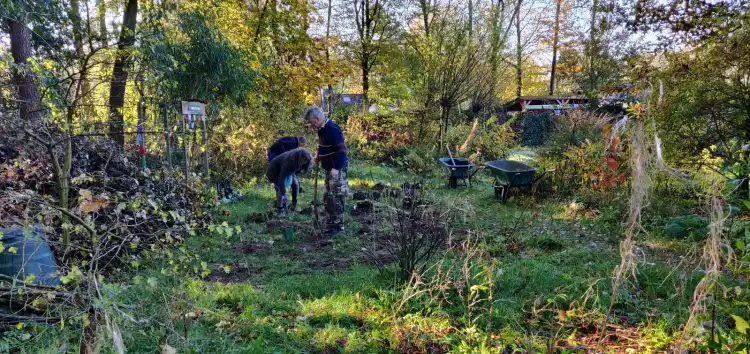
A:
x,y
491,141
684,226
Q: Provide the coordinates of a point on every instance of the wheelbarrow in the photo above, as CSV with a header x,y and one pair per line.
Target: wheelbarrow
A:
x,y
458,169
509,174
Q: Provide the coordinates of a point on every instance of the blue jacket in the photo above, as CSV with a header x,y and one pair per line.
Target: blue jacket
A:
x,y
281,146
331,147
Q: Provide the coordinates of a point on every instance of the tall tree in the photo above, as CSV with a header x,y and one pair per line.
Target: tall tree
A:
x,y
471,21
329,96
120,72
592,50
519,50
20,47
101,14
426,9
455,67
498,35
374,30
74,13
555,43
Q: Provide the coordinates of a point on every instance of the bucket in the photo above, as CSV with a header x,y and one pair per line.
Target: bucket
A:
x,y
289,234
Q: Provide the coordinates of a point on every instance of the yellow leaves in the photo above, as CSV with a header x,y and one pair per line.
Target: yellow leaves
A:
x,y
74,276
255,64
740,324
90,203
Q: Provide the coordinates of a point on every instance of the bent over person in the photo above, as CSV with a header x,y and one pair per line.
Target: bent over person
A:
x,y
332,155
282,168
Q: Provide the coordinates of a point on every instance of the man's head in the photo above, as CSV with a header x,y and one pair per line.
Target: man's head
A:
x,y
301,141
315,118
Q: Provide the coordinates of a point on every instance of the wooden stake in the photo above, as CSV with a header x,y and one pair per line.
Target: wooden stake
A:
x,y
185,163
315,198
167,133
206,171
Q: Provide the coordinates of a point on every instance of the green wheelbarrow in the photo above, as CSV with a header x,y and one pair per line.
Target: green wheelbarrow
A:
x,y
509,174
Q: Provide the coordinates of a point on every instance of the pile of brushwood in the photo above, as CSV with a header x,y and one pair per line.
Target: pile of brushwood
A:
x,y
116,213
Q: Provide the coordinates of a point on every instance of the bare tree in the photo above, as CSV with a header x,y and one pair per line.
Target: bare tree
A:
x,y
457,62
120,72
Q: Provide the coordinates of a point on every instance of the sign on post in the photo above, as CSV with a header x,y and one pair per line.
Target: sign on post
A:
x,y
190,107
193,111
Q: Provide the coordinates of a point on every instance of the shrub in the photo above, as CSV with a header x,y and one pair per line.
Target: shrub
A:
x,y
684,226
416,231
419,160
535,128
574,128
490,142
379,138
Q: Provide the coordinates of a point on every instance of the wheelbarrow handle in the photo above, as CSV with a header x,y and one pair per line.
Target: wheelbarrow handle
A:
x,y
475,171
542,175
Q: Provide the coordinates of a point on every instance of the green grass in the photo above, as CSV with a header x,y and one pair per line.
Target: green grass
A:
x,y
301,298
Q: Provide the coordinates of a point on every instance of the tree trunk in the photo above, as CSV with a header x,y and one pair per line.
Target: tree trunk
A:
x,y
101,13
471,21
75,19
555,41
497,42
365,81
446,110
425,5
120,73
259,27
28,94
328,38
592,47
519,51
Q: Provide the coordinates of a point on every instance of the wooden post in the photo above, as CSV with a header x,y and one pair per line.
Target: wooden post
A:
x,y
185,163
206,171
141,137
167,134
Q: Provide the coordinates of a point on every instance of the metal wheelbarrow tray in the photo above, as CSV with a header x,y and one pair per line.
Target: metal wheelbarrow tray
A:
x,y
509,174
458,168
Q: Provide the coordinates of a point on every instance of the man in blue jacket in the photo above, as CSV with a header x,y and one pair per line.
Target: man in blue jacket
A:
x,y
287,143
332,155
